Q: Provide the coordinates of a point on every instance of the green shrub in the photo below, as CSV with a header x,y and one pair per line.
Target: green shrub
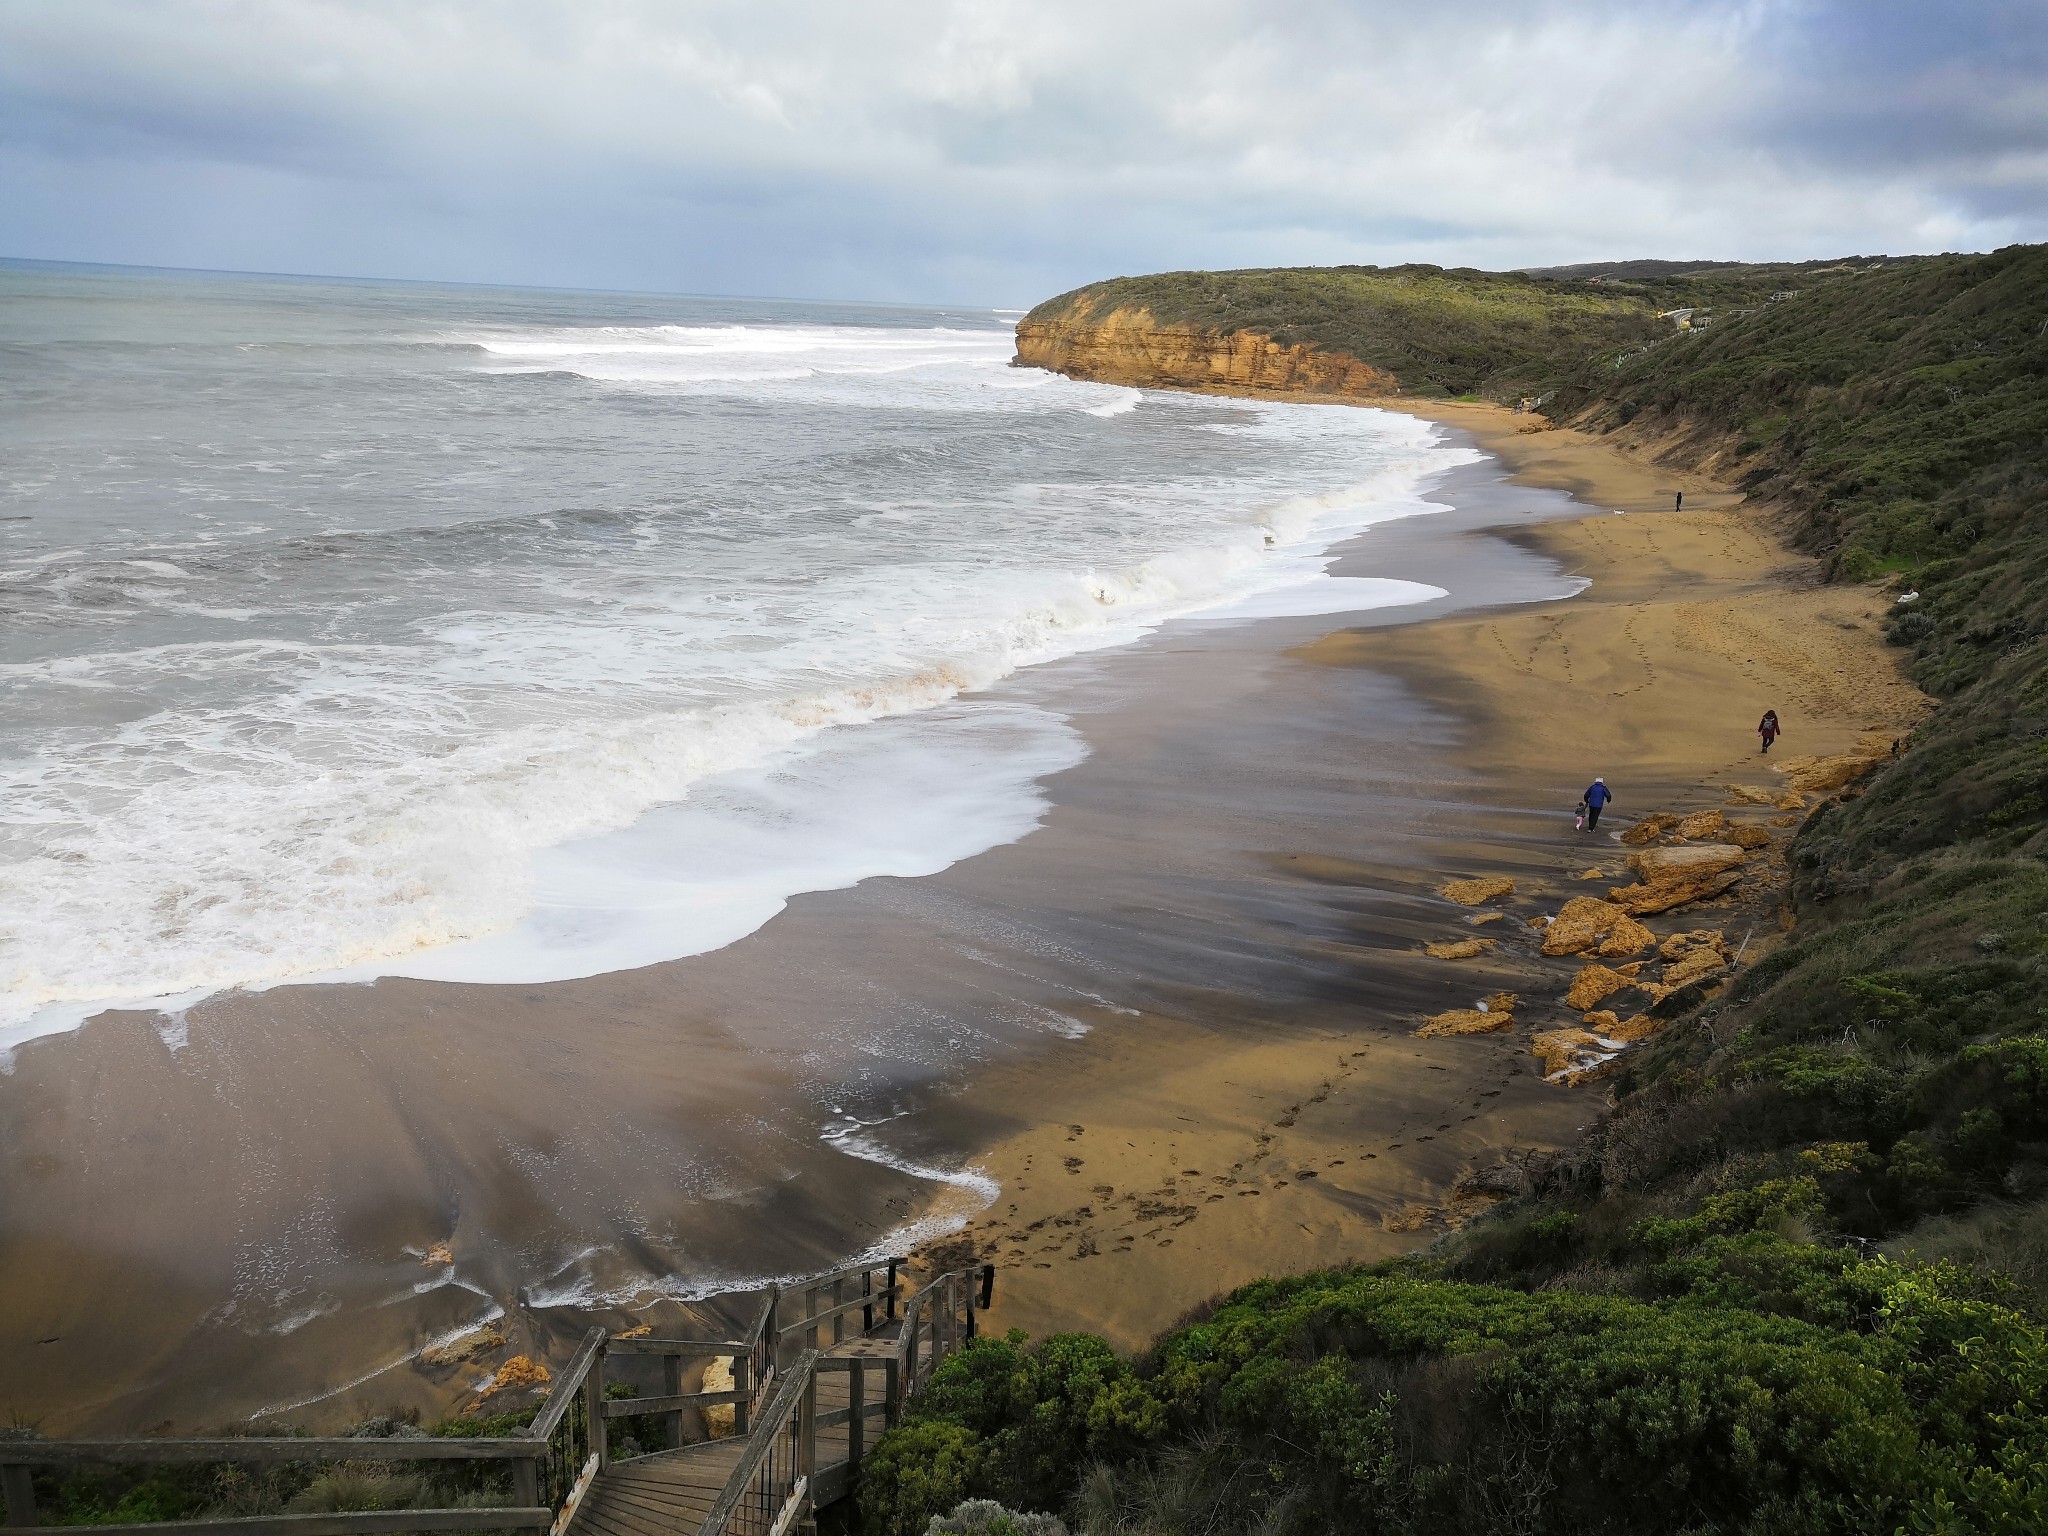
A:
x,y
919,1471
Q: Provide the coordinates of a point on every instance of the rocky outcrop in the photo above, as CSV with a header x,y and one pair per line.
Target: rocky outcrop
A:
x,y
1497,1013
1457,949
1470,893
1127,346
1465,1021
1594,983
1584,923
1672,877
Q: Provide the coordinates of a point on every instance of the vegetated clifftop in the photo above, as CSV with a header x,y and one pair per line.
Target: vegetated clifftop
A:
x,y
1364,331
1796,1279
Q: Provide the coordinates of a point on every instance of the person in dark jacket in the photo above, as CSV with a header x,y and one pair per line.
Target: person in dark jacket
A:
x,y
1767,728
1597,796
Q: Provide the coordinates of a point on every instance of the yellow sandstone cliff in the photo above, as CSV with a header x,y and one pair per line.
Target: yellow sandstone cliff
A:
x,y
1126,346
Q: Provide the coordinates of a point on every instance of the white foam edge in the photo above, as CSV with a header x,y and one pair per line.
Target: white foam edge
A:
x,y
978,1192
438,1341
569,877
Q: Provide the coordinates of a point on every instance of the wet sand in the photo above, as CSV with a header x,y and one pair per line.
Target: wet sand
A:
x,y
1206,1162
1208,960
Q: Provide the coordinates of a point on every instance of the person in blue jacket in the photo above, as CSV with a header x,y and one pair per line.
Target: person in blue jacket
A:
x,y
1597,795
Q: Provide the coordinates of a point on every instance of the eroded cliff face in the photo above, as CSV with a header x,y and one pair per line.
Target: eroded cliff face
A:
x,y
1126,346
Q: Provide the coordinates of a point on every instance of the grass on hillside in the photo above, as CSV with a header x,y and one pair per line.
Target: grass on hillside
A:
x,y
1496,335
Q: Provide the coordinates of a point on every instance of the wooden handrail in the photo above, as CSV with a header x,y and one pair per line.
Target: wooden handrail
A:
x,y
38,1453
634,1407
815,1282
563,1390
755,1333
364,1523
788,1397
826,1316
687,1348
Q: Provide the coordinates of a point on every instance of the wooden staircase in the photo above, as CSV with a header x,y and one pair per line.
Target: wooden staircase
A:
x,y
805,1445
826,1366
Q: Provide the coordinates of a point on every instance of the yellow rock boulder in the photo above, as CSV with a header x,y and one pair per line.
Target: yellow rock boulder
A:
x,y
1465,1021
1679,945
1470,893
1817,775
720,1418
1592,984
1568,1050
1586,922
1649,829
1458,949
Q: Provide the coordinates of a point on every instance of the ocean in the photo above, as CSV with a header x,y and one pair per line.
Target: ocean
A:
x,y
357,629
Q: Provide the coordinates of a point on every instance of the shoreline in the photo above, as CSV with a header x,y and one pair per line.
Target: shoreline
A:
x,y
1680,607
1235,884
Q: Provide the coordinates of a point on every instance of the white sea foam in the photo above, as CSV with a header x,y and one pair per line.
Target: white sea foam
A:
x,y
523,740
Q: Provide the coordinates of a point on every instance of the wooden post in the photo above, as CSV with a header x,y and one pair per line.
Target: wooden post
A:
x,y
857,1426
593,1411
672,1386
867,1311
911,1327
892,1290
526,1482
742,1381
807,1429
810,1311
21,1494
892,1393
838,1317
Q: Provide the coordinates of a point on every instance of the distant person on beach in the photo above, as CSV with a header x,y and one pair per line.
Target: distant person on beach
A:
x,y
1767,728
1596,797
1678,501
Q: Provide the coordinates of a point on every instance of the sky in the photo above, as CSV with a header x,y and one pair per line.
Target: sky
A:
x,y
1002,151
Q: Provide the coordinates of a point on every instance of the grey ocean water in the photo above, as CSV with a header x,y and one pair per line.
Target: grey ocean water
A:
x,y
351,629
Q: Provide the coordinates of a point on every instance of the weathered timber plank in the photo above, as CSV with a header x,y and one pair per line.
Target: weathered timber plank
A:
x,y
633,1407
831,1483
610,1520
360,1524
664,1513
689,1349
826,1316
262,1448
690,1504
789,1394
563,1391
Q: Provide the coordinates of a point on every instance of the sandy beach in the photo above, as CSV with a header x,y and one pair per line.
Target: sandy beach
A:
x,y
1206,1163
1172,1032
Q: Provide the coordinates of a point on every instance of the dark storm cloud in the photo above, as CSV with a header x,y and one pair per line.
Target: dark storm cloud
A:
x,y
1003,150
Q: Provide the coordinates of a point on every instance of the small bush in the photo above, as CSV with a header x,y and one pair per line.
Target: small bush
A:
x,y
919,1471
985,1517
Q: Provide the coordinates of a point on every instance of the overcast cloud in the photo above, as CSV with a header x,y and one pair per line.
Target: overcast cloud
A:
x,y
1002,151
